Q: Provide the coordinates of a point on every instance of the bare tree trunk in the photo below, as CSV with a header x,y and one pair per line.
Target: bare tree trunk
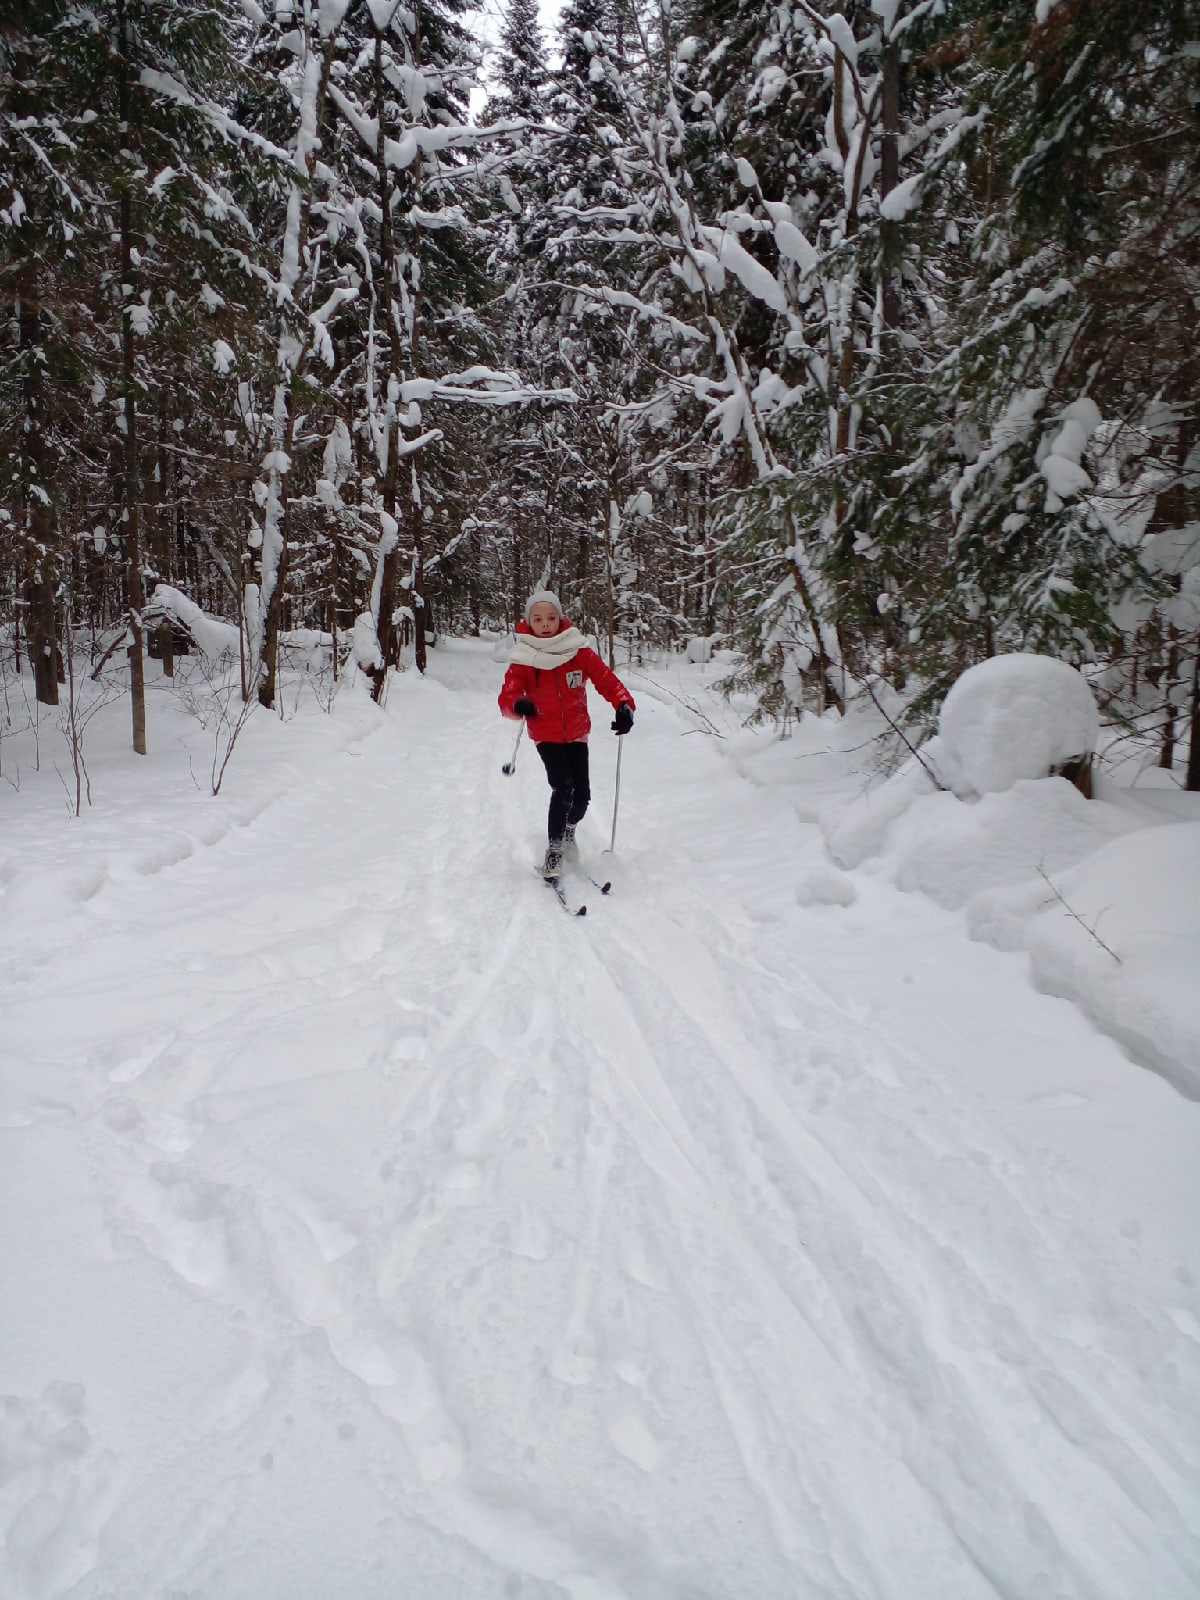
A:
x,y
131,532
270,648
418,606
1192,782
476,581
389,577
610,543
889,177
1172,510
827,657
41,582
1166,756
518,604
166,643
41,615
130,491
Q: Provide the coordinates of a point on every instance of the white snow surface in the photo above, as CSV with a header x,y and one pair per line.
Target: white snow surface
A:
x,y
369,1228
1120,933
1014,717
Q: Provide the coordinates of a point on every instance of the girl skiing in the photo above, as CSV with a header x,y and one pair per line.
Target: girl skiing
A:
x,y
547,685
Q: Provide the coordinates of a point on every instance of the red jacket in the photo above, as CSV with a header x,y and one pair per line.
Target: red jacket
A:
x,y
560,694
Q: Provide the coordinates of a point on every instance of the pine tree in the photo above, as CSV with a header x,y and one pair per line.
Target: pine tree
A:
x,y
521,74
44,206
113,147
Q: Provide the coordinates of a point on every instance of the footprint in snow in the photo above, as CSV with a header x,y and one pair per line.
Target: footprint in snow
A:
x,y
402,1386
149,1131
57,1491
530,1236
574,1366
182,1219
638,1259
631,1436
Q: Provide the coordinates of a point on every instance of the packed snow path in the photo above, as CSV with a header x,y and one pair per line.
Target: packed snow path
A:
x,y
370,1229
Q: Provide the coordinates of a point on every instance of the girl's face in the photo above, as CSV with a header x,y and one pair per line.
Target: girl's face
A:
x,y
543,619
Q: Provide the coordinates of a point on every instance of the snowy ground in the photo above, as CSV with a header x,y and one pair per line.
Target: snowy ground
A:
x,y
369,1229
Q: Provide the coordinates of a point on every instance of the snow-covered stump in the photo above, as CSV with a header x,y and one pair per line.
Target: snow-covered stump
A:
x,y
1015,717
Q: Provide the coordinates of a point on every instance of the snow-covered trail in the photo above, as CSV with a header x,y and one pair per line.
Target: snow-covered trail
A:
x,y
380,1231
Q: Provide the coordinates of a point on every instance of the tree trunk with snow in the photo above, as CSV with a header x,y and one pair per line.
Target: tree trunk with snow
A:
x,y
389,549
292,356
275,543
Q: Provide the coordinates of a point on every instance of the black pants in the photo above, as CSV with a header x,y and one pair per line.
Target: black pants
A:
x,y
567,769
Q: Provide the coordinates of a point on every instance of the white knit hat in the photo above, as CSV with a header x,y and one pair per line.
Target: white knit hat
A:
x,y
542,597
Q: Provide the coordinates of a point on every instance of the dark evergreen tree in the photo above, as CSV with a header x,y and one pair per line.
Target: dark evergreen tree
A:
x,y
1058,456
522,77
127,221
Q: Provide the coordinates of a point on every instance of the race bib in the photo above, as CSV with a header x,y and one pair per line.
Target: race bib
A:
x,y
575,680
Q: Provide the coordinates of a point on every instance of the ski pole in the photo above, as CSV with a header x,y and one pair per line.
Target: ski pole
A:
x,y
510,767
616,798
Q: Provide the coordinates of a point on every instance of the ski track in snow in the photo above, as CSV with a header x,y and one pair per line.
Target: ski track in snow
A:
x,y
420,1241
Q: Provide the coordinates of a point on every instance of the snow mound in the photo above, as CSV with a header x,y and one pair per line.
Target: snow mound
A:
x,y
1036,867
1017,716
856,832
823,885
952,850
1119,934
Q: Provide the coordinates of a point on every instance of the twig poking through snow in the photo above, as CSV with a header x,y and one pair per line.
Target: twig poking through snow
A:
x,y
903,737
1071,912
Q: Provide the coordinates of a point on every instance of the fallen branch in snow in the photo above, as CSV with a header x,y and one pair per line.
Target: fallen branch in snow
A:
x,y
1071,912
121,638
689,705
904,739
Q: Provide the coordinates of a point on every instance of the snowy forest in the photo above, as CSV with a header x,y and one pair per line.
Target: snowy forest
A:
x,y
857,338
776,425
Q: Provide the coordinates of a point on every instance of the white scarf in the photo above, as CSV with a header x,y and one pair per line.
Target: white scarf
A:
x,y
530,651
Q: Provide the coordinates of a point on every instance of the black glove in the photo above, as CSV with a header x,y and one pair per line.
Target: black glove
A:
x,y
623,720
525,708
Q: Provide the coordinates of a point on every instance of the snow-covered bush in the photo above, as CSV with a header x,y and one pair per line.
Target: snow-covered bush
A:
x,y
1015,717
